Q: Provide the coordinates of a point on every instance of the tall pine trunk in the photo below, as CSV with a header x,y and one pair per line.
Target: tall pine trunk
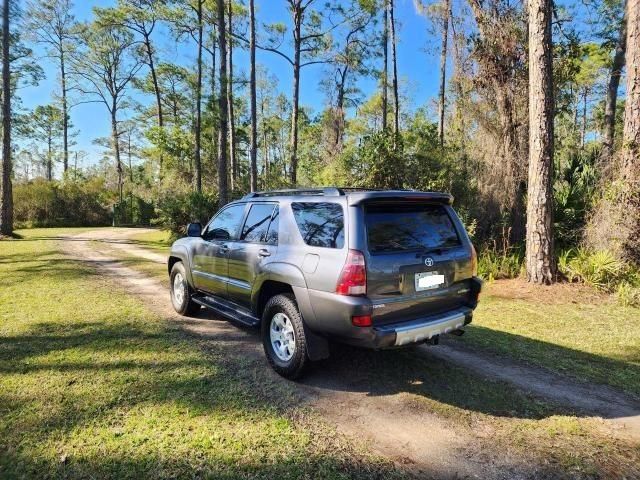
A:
x,y
631,137
232,123
539,253
394,62
198,126
385,67
223,192
443,70
297,33
6,207
156,90
65,112
115,143
611,99
253,149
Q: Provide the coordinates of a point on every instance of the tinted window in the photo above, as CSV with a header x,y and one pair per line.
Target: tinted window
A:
x,y
257,223
420,227
272,234
226,224
320,224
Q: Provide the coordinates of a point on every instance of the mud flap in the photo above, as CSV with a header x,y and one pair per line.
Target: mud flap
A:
x,y
317,346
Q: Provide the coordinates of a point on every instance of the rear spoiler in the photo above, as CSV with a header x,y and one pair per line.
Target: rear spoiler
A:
x,y
400,196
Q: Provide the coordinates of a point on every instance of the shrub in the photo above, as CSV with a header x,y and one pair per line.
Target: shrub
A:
x,y
603,271
494,265
175,211
42,203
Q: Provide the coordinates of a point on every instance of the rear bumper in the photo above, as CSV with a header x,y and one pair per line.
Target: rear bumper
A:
x,y
419,330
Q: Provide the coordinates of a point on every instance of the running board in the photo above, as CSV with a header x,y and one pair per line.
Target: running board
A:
x,y
227,310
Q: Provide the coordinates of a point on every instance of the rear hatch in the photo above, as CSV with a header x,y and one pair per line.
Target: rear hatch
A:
x,y
418,260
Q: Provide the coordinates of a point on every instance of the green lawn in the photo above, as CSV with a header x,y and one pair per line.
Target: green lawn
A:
x,y
158,240
564,329
92,385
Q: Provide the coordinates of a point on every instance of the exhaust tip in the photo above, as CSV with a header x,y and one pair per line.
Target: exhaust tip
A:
x,y
457,332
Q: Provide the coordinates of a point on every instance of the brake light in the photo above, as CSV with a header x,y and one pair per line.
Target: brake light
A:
x,y
361,321
474,262
353,278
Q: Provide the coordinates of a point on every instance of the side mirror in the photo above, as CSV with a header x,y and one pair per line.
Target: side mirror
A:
x,y
194,230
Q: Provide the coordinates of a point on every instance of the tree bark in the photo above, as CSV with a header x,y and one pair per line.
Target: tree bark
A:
x,y
297,32
539,250
385,68
6,207
49,156
253,149
156,90
631,137
232,123
222,106
116,148
198,126
394,61
611,99
443,71
65,112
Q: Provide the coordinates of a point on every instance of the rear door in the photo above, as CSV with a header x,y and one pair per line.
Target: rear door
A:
x,y
416,260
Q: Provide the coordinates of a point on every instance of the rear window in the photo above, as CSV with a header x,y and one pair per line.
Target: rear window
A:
x,y
413,227
321,224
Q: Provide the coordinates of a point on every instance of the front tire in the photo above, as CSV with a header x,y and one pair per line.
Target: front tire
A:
x,y
283,337
181,292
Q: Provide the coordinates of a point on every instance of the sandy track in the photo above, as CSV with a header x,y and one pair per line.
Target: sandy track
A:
x,y
423,443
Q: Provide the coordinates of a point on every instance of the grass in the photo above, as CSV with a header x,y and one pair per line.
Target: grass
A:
x,y
94,385
105,389
158,240
563,328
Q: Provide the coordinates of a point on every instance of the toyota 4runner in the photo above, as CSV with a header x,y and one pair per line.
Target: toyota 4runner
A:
x,y
376,269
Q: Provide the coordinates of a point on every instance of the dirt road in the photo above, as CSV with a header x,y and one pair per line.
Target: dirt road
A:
x,y
346,391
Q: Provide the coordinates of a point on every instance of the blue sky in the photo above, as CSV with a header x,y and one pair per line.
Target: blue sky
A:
x,y
418,59
417,64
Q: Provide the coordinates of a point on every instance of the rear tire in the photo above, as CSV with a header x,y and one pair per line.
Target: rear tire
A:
x,y
283,338
181,291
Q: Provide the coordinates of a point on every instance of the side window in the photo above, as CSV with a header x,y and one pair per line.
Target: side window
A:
x,y
257,223
272,234
226,224
320,224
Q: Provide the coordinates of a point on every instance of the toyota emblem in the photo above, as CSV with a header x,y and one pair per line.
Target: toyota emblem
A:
x,y
428,262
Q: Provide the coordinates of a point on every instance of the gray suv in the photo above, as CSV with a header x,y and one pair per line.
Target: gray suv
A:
x,y
376,269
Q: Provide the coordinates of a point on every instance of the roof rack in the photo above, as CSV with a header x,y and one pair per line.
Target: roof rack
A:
x,y
326,191
321,191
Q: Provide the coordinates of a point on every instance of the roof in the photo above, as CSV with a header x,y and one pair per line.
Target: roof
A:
x,y
356,195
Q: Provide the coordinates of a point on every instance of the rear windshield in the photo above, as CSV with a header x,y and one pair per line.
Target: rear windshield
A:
x,y
321,224
413,227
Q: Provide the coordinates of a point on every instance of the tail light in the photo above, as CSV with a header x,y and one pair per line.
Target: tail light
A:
x,y
353,278
474,262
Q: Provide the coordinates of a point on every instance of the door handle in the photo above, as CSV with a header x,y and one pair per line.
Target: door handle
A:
x,y
263,252
223,249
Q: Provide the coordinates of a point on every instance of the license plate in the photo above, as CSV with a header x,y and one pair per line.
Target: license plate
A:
x,y
428,280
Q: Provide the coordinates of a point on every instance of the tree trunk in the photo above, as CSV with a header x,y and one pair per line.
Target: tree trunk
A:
x,y
65,113
6,207
443,70
214,125
583,133
297,32
611,99
631,137
116,148
394,61
253,149
232,123
385,67
49,157
222,106
198,127
539,254
156,91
